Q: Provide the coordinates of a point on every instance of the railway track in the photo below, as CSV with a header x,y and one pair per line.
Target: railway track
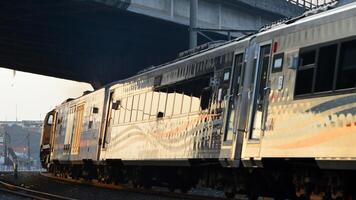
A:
x,y
29,193
135,190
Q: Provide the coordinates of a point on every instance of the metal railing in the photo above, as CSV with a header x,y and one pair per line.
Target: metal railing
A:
x,y
309,4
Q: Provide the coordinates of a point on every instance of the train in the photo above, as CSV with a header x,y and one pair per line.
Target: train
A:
x,y
266,114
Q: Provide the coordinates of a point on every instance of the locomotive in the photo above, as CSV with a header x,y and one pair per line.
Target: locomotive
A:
x,y
267,114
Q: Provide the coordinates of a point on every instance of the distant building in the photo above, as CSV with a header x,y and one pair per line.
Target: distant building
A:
x,y
19,142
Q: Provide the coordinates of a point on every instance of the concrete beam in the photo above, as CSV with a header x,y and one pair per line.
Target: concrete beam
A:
x,y
211,13
227,14
343,2
280,7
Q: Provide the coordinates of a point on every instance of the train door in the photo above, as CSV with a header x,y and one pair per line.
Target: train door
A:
x,y
69,127
77,130
260,94
53,128
232,100
109,119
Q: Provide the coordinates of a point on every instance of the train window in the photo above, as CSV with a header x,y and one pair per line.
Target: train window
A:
x,y
141,106
170,104
197,88
148,103
205,98
237,83
304,81
347,66
217,61
178,104
122,111
278,62
134,108
50,120
128,109
305,75
186,103
195,105
162,103
155,102
325,68
307,58
114,116
223,58
69,126
229,59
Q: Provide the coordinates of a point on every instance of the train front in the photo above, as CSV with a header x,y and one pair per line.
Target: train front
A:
x,y
46,138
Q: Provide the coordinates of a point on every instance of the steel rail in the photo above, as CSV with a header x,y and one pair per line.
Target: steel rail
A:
x,y
33,194
124,188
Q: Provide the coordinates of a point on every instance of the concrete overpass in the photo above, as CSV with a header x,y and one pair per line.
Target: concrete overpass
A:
x,y
98,41
227,14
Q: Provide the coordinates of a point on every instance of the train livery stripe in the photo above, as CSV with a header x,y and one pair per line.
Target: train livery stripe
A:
x,y
328,105
322,137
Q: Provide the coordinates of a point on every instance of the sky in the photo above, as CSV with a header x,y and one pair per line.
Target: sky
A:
x,y
33,95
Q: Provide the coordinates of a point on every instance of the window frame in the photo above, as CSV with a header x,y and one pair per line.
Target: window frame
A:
x,y
334,90
337,70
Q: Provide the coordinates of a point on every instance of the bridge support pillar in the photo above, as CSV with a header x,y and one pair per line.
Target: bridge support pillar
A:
x,y
193,23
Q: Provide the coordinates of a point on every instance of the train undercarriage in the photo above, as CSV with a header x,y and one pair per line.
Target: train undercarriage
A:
x,y
278,182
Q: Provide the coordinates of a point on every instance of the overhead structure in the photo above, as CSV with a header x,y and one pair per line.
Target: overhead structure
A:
x,y
99,41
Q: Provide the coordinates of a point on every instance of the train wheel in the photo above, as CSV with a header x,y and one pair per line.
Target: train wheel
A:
x,y
230,195
147,186
171,188
184,189
135,184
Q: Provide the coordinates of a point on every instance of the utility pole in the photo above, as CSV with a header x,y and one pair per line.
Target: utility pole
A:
x,y
3,142
193,36
16,111
7,142
28,151
6,154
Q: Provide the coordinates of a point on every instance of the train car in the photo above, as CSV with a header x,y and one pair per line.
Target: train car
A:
x,y
269,114
167,120
302,112
71,131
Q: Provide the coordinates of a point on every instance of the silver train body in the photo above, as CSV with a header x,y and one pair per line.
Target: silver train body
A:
x,y
287,93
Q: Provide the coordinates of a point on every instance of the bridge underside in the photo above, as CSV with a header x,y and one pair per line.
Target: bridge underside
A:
x,y
85,41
